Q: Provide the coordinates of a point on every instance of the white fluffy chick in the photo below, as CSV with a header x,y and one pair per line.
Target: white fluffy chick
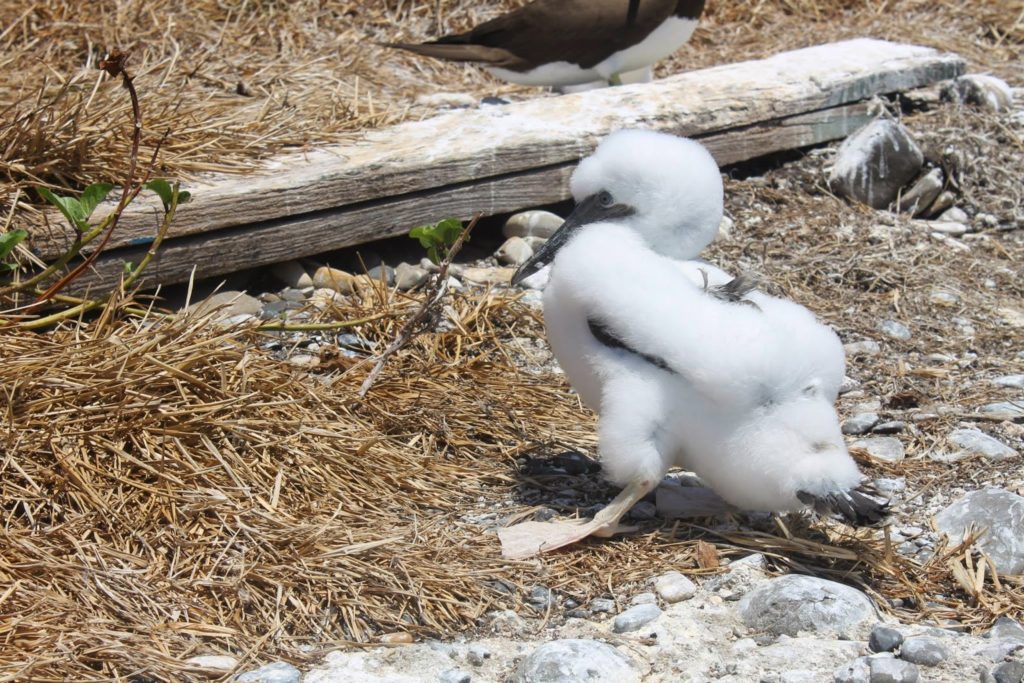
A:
x,y
686,366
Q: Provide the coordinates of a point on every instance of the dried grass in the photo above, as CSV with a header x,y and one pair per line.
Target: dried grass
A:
x,y
170,489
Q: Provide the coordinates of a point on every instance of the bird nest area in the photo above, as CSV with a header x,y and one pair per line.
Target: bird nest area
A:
x,y
172,488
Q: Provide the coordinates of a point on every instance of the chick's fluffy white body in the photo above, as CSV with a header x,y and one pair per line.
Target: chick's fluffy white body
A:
x,y
743,394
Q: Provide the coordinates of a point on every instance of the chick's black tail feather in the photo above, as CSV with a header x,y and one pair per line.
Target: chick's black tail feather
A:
x,y
855,507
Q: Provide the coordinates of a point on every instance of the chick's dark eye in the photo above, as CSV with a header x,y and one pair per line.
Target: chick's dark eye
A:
x,y
605,199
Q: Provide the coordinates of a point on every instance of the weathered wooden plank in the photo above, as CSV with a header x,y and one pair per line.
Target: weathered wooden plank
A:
x,y
470,146
224,251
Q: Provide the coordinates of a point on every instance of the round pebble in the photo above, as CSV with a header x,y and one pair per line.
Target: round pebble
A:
x,y
884,639
673,587
635,617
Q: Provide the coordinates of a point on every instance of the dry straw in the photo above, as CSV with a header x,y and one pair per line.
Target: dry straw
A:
x,y
169,488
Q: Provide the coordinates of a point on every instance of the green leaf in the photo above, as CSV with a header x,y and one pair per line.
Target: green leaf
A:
x,y
164,189
448,231
129,267
93,195
69,206
9,240
184,196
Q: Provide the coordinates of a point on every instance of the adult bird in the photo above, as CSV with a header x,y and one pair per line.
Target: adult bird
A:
x,y
562,43
685,365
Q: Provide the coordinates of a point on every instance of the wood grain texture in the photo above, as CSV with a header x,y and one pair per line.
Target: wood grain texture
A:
x,y
233,249
503,158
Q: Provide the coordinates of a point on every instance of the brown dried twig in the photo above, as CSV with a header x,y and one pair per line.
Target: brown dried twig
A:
x,y
435,293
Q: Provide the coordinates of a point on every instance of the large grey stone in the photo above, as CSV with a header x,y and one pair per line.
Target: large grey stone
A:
x,y
1009,672
1006,628
576,661
997,511
1004,410
791,604
874,164
972,442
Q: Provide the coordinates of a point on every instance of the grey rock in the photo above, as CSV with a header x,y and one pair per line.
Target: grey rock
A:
x,y
886,670
874,164
1009,672
292,274
998,511
924,650
635,617
981,90
886,448
454,676
388,272
790,604
673,587
743,574
1009,381
602,605
863,348
408,276
1004,410
857,671
575,661
644,599
541,596
849,384
894,330
292,294
477,654
1006,628
277,672
884,639
974,442
860,424
643,510
514,252
889,427
532,224
919,198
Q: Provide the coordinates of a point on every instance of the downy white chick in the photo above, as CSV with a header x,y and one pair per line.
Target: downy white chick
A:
x,y
684,365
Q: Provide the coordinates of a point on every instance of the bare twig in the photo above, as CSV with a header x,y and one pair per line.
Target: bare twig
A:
x,y
435,293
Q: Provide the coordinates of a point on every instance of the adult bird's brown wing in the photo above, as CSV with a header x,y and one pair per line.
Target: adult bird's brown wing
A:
x,y
582,32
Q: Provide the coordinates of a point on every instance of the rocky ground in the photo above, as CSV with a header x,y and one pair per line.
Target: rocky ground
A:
x,y
929,304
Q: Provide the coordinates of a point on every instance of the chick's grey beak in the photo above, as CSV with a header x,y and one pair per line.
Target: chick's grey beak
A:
x,y
587,211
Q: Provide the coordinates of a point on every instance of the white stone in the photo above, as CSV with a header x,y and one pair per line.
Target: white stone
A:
x,y
894,330
223,306
216,662
534,223
674,587
954,215
514,252
1009,381
277,672
863,348
885,448
951,228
